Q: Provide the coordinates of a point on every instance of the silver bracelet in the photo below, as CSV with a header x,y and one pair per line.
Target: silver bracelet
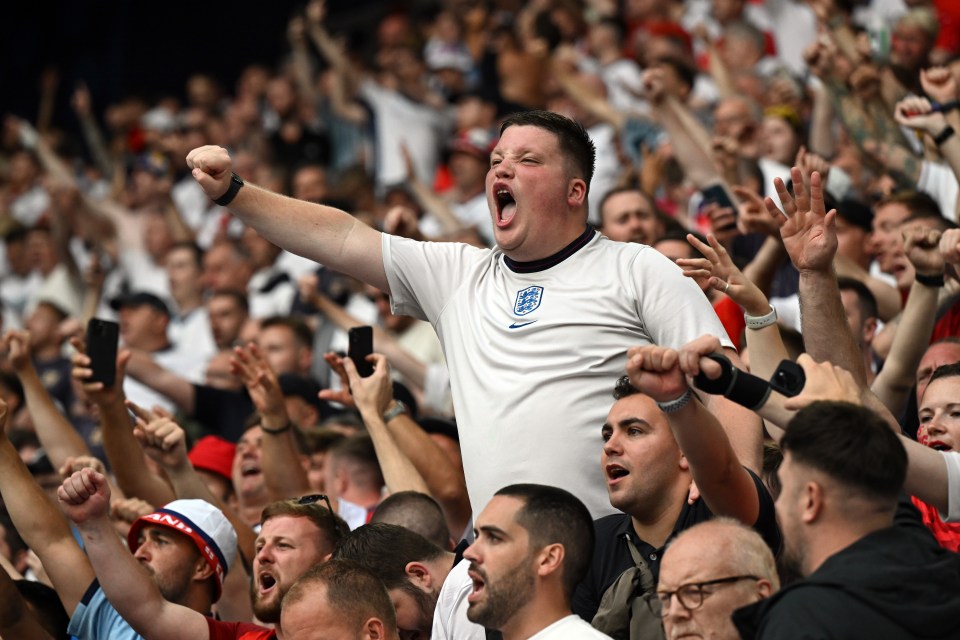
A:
x,y
759,322
676,404
398,408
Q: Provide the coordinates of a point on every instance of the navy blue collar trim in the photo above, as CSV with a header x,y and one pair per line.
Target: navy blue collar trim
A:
x,y
551,261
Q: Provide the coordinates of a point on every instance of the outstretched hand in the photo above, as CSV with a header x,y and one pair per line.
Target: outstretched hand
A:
x,y
809,232
722,274
85,496
249,365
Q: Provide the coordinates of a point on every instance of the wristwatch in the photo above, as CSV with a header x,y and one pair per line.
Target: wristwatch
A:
x,y
235,183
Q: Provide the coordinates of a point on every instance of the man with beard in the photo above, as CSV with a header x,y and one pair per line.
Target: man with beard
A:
x,y
184,566
427,585
533,546
871,569
294,536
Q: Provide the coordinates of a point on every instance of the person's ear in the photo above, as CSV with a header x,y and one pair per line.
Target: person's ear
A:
x,y
812,502
419,575
576,192
373,629
550,559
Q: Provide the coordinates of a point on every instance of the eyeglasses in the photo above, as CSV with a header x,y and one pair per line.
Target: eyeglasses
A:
x,y
691,595
313,499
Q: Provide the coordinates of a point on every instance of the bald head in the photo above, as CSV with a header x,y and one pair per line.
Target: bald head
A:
x,y
717,567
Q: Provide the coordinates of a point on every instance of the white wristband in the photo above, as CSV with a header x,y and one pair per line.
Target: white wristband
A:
x,y
759,322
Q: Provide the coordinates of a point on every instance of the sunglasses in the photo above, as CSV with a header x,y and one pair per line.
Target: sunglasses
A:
x,y
314,499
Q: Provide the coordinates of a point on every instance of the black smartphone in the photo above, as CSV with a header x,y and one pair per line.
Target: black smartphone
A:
x,y
361,345
102,339
719,195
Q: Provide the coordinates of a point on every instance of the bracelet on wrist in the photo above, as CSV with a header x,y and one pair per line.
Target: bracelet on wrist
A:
x,y
393,412
672,406
235,183
283,429
934,282
759,322
944,135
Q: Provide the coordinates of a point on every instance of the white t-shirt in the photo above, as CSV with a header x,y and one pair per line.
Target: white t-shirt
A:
x,y
570,628
952,460
534,357
450,620
939,182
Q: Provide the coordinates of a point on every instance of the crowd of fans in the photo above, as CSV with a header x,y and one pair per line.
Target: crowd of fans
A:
x,y
593,204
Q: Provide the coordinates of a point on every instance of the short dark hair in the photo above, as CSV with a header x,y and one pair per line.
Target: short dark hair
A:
x,y
359,451
851,444
351,589
239,297
551,515
920,204
301,332
866,301
332,527
386,549
193,248
575,144
417,512
623,388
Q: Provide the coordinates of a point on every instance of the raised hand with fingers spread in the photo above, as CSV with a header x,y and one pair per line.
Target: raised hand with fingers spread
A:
x,y
249,365
808,230
723,275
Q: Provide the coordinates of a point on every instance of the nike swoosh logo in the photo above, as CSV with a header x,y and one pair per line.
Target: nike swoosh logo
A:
x,y
522,324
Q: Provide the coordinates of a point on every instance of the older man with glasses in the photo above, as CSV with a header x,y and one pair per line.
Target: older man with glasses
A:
x,y
698,591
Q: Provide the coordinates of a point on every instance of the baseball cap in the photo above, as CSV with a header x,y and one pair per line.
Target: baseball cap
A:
x,y
213,454
204,524
137,299
856,213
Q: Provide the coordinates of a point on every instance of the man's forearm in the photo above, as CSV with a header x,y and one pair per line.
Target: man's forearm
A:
x,y
127,459
58,437
327,235
826,335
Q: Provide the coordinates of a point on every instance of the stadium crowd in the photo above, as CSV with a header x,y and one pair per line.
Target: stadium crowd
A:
x,y
665,300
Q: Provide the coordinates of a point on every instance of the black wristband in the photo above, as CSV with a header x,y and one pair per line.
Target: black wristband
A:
x,y
944,135
275,432
235,183
934,282
738,386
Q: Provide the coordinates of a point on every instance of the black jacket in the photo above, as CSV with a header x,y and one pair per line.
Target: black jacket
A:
x,y
894,583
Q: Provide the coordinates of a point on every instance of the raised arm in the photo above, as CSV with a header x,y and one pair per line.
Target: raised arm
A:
x,y
895,381
58,437
41,526
373,395
408,443
85,499
282,471
164,441
660,373
123,452
142,368
327,235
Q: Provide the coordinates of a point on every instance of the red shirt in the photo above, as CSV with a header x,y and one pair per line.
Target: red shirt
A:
x,y
238,631
946,533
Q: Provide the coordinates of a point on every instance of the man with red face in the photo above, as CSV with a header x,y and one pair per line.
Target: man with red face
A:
x,y
535,329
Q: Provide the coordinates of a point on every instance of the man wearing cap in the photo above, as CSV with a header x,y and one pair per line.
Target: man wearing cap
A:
x,y
144,318
295,535
184,565
212,458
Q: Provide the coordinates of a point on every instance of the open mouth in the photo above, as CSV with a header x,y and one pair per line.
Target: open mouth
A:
x,y
506,205
615,472
267,583
250,469
478,585
936,445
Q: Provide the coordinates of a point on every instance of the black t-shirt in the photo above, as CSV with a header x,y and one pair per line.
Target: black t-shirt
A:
x,y
222,412
611,557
